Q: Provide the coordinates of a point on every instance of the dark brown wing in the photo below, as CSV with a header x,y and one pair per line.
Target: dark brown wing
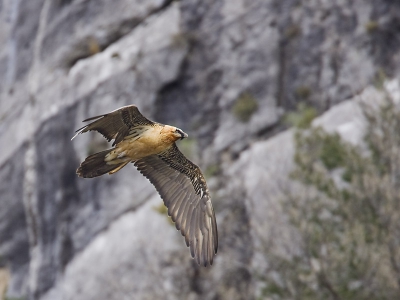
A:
x,y
183,188
116,124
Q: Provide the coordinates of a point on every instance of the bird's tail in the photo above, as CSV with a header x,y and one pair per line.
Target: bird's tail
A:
x,y
94,165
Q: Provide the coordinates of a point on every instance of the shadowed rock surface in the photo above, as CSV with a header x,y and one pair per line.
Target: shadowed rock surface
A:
x,y
223,71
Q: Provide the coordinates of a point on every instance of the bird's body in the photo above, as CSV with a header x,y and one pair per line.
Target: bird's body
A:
x,y
151,147
144,141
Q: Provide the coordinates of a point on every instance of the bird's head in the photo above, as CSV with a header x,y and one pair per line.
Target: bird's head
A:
x,y
174,133
180,134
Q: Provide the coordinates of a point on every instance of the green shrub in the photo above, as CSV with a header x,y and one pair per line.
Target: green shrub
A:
x,y
349,226
371,26
245,106
302,117
303,92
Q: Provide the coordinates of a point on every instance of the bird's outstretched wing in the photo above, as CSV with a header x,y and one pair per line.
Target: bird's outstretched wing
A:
x,y
116,124
183,188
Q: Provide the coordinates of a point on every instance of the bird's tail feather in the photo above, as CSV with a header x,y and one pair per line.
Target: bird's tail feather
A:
x,y
94,165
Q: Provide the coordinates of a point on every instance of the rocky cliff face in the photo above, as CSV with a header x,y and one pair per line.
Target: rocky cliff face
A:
x,y
224,71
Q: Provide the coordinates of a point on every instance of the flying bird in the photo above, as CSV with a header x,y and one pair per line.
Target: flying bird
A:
x,y
151,147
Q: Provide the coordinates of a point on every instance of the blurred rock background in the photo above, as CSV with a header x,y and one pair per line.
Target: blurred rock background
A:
x,y
228,73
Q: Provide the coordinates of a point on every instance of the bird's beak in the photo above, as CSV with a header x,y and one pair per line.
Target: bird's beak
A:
x,y
183,135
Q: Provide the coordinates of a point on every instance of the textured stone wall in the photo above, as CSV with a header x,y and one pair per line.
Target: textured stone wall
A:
x,y
196,64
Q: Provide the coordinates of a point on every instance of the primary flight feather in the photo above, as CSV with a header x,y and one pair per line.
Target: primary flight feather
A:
x,y
180,183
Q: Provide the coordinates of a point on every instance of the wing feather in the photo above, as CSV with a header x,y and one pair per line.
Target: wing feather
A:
x,y
185,216
180,215
174,199
171,196
185,228
117,124
175,206
184,191
193,230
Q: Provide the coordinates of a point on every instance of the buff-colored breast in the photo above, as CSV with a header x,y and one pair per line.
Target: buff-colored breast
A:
x,y
152,141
